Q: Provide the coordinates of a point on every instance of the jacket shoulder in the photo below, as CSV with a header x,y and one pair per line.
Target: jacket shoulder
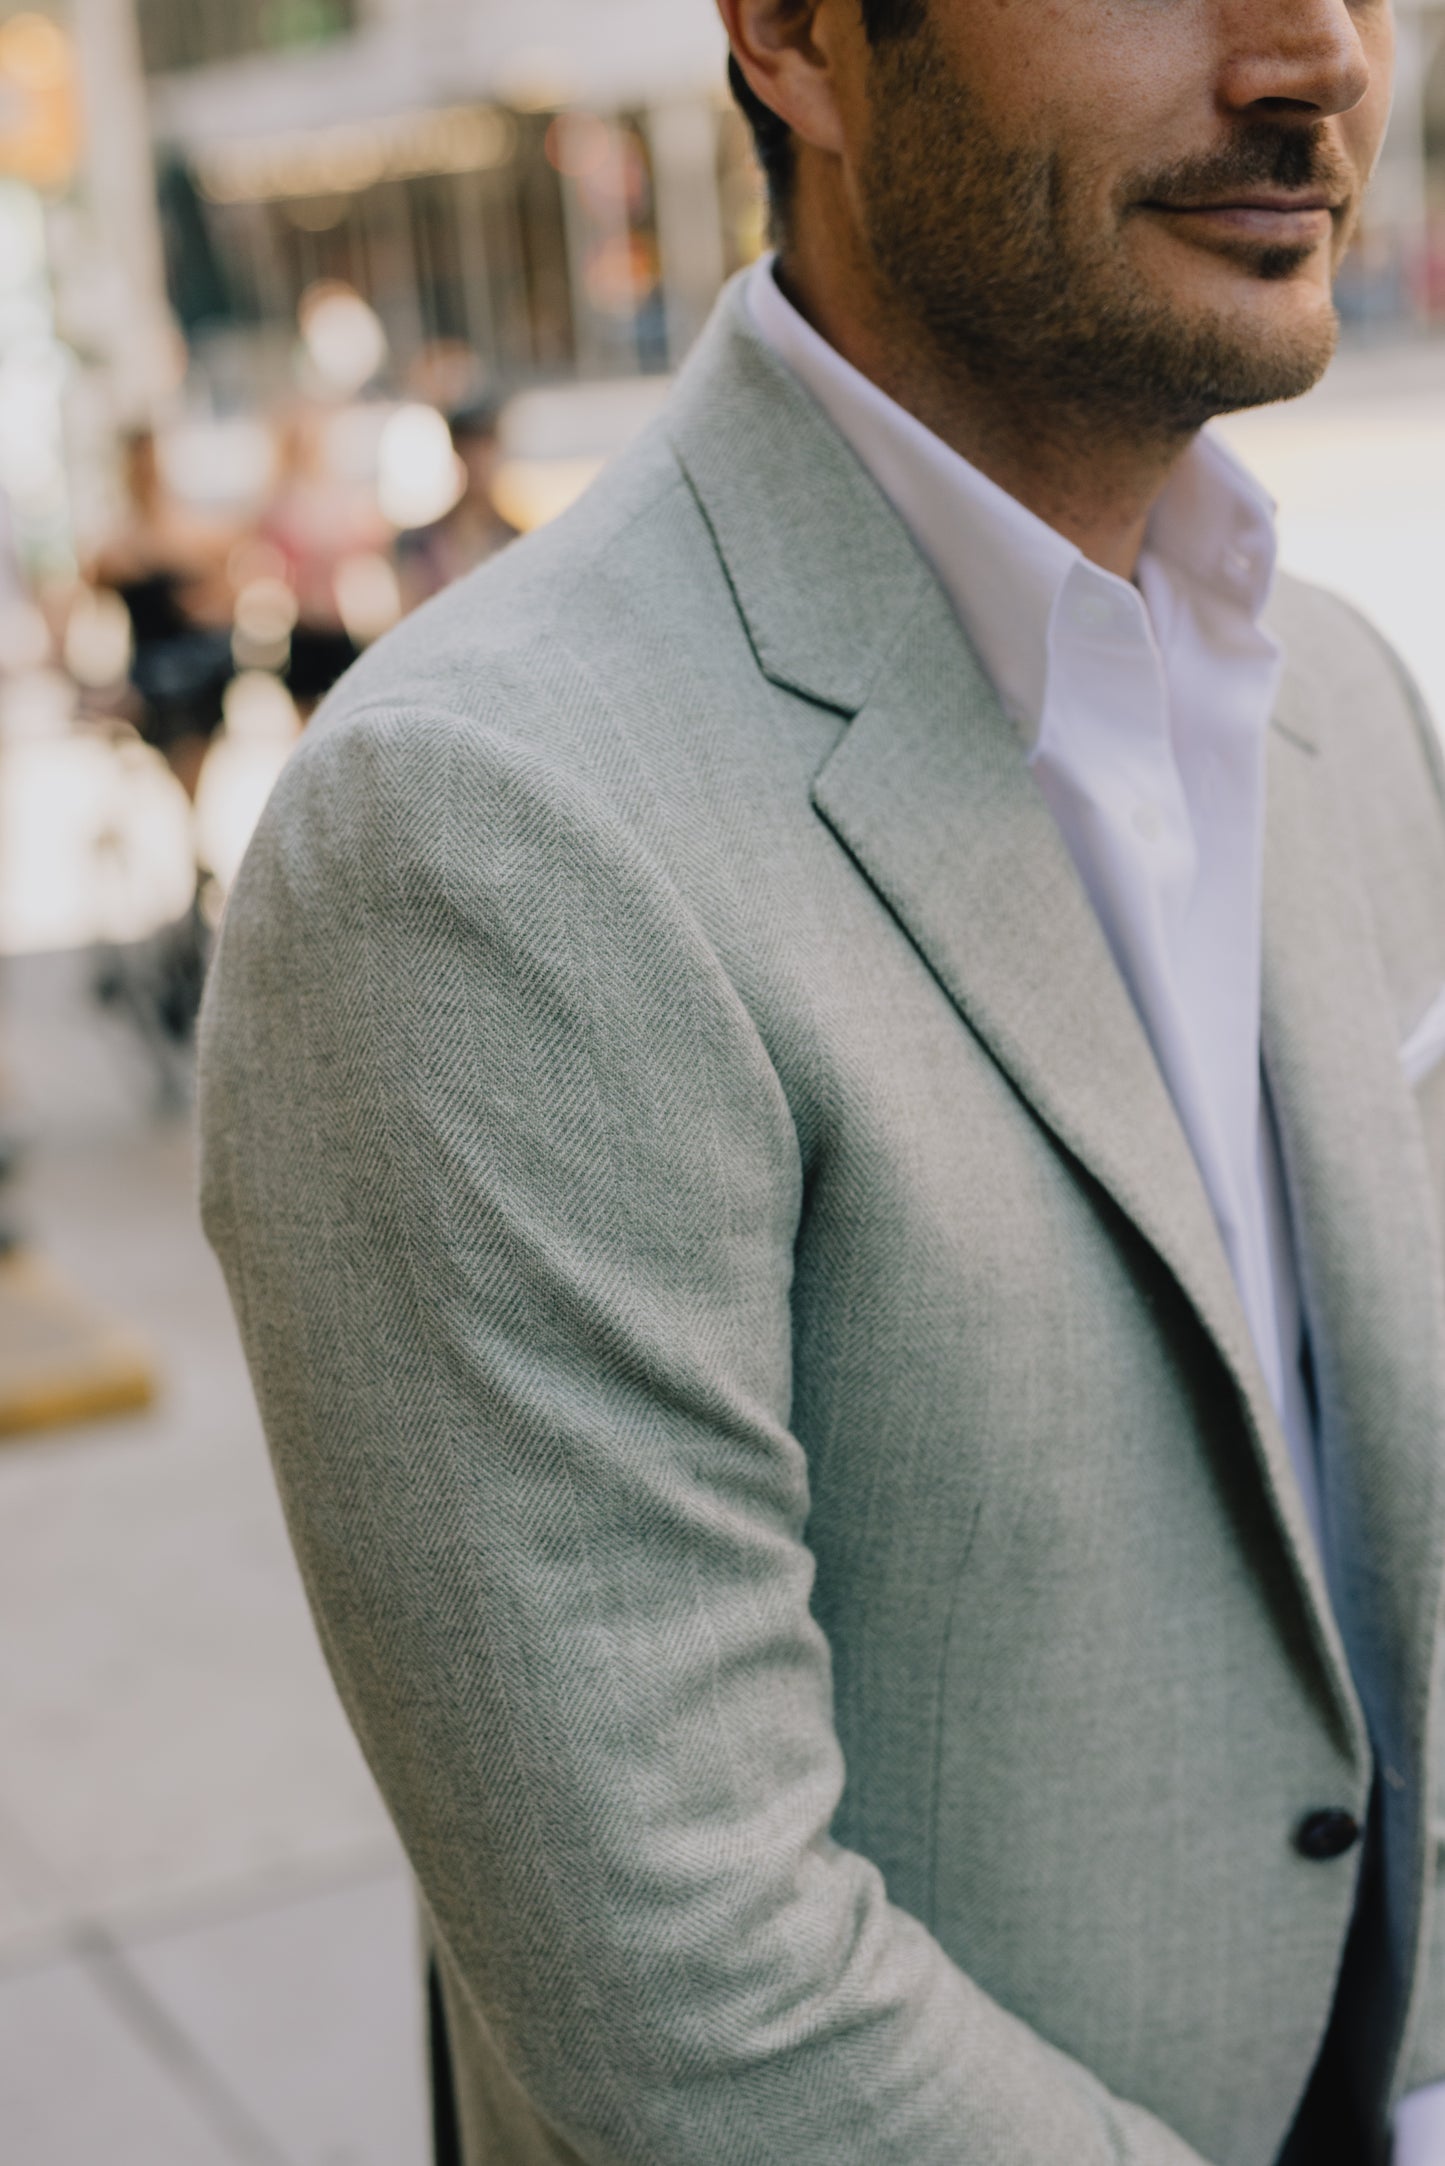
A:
x,y
547,586
1351,686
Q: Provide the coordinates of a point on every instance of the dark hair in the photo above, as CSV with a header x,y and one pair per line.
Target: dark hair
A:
x,y
773,138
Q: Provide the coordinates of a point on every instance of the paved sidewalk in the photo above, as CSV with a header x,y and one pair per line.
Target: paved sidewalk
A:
x,y
206,1937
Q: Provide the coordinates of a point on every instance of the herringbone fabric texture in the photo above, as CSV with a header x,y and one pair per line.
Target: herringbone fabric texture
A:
x,y
762,1410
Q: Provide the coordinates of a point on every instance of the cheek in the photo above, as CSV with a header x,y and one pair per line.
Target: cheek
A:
x,y
1033,66
1117,99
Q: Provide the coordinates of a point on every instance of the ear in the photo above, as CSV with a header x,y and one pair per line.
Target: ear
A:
x,y
787,51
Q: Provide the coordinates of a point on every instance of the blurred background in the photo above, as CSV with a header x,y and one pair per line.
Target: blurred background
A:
x,y
307,307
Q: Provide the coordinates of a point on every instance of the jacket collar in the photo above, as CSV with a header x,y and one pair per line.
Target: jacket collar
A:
x,y
1005,570
822,571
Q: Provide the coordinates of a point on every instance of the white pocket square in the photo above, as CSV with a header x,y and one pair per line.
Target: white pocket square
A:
x,y
1425,1045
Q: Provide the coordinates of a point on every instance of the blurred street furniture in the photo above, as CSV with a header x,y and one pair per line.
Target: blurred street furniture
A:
x,y
61,1361
431,558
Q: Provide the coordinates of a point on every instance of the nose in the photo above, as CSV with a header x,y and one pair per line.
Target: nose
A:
x,y
1300,56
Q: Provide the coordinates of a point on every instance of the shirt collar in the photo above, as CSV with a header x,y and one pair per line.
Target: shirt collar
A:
x,y
1003,568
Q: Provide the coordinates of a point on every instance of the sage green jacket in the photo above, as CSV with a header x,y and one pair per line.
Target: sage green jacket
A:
x,y
772,1440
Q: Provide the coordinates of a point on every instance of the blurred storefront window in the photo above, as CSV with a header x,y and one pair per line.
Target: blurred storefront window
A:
x,y
552,244
453,229
564,206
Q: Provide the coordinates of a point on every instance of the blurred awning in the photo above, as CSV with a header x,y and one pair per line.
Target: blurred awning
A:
x,y
550,54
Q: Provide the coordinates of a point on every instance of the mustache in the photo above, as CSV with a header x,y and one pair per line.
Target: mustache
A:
x,y
1266,156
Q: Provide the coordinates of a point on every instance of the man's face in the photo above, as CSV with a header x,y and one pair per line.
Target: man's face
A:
x,y
1135,207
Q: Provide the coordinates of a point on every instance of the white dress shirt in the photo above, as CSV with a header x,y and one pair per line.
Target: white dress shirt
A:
x,y
1145,709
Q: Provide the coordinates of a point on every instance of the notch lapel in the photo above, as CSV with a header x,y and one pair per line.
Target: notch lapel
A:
x,y
930,792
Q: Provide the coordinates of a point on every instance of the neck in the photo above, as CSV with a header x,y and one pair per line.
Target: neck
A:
x,y
1094,484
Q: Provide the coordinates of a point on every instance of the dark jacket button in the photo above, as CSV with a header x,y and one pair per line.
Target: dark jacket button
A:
x,y
1327,1834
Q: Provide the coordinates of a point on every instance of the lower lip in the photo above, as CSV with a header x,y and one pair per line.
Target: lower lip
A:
x,y
1250,222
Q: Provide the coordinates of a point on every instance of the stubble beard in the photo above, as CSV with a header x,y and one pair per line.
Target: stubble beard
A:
x,y
972,244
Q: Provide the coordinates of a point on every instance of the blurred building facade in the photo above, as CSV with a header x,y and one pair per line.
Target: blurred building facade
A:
x,y
559,189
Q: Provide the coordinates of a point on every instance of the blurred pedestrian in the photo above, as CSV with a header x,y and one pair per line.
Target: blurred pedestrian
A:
x,y
318,522
168,563
432,558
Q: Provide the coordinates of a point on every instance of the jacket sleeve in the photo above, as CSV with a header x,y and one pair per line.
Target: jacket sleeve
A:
x,y
506,1190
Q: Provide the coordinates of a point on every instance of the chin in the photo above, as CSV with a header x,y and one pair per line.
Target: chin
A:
x,y
1254,335
1261,357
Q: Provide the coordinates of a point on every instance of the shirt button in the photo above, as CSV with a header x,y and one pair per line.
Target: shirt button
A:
x,y
1327,1834
1147,822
